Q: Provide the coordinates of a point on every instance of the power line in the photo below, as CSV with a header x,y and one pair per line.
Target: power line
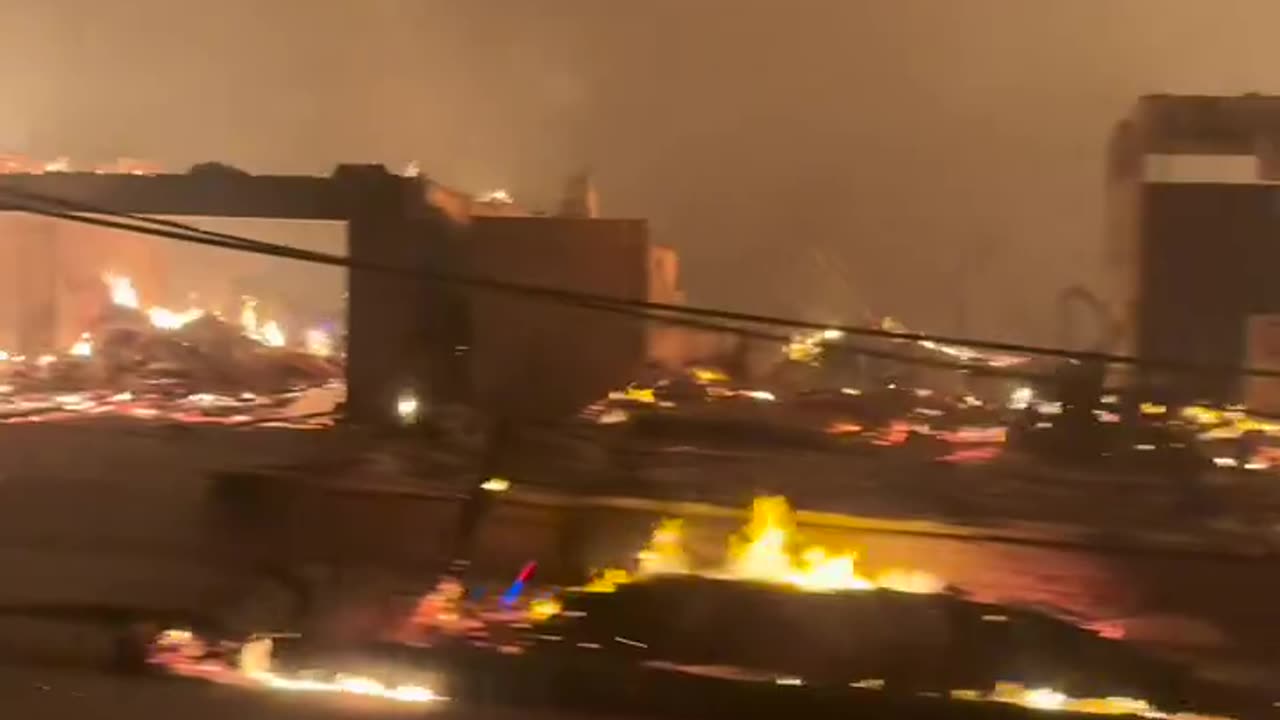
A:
x,y
51,206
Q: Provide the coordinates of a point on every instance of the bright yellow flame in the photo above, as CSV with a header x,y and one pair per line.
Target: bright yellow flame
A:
x,y
123,293
166,319
544,608
606,580
496,485
82,347
709,375
272,334
665,551
765,551
639,394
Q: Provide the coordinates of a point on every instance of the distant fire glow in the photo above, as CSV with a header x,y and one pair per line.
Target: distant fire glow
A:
x,y
82,347
318,342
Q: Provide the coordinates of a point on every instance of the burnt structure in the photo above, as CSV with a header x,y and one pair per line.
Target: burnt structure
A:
x,y
1192,224
405,330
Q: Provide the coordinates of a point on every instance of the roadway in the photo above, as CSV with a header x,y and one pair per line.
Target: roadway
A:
x,y
122,515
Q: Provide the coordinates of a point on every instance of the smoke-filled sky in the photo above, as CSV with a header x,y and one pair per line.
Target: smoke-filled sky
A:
x,y
807,157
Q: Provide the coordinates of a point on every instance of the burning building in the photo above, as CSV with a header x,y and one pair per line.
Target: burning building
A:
x,y
512,353
51,286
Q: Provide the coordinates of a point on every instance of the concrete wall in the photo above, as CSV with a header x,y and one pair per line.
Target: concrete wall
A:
x,y
1208,258
531,357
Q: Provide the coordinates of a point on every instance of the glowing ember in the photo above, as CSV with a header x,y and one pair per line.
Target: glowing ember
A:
x,y
499,196
123,293
665,552
407,408
1050,699
82,347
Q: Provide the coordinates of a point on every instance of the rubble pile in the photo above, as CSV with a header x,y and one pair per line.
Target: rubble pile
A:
x,y
187,366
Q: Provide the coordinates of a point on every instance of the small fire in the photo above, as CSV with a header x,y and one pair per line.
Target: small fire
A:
x,y
268,333
123,293
82,347
167,319
185,654
766,550
1043,698
349,684
272,334
665,552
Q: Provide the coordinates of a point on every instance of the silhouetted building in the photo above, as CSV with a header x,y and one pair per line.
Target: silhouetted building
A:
x,y
1192,223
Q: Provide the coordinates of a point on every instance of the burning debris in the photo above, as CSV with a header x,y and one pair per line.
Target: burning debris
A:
x,y
188,365
766,550
252,664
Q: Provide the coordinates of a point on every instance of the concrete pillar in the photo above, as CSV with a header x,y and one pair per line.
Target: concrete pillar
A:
x,y
386,312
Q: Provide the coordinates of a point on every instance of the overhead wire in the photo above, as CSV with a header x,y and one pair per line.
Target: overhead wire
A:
x,y
75,211
688,316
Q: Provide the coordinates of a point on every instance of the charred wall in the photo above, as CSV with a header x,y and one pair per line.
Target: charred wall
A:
x,y
531,357
1208,257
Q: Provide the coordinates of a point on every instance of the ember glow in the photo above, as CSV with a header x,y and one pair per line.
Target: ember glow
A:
x,y
123,293
318,342
183,653
766,550
348,684
82,347
1042,698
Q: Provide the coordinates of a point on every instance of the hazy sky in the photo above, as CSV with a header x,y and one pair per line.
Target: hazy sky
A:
x,y
805,157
